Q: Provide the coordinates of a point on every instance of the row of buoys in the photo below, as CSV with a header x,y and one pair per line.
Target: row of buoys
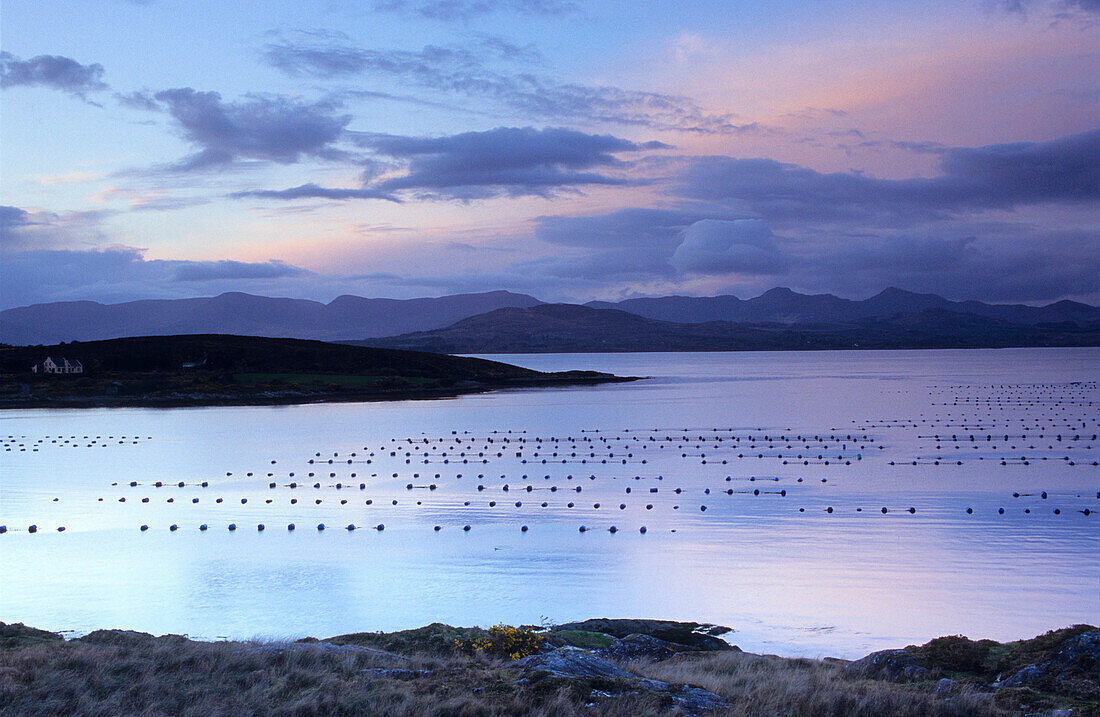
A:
x,y
260,527
518,504
33,528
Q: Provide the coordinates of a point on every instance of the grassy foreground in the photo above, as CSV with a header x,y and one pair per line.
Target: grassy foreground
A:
x,y
442,670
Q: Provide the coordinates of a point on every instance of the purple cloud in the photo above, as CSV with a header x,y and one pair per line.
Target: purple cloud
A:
x,y
509,161
996,176
53,71
268,128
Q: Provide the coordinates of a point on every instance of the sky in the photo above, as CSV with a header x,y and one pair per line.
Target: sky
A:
x,y
567,149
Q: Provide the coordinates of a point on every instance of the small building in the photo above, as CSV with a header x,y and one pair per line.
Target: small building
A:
x,y
60,365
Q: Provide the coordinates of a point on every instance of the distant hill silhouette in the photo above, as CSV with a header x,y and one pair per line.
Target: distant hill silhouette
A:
x,y
788,307
346,317
778,318
571,328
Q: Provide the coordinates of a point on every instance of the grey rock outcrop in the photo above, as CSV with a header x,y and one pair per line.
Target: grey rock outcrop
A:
x,y
568,662
893,665
579,664
1077,657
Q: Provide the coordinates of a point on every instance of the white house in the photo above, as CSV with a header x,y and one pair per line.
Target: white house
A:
x,y
51,365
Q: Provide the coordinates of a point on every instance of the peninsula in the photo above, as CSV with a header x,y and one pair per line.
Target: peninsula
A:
x,y
214,369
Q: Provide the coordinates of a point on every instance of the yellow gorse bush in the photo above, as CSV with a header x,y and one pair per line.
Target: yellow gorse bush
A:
x,y
503,641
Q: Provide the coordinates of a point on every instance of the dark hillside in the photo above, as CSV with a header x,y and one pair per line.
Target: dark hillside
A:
x,y
216,369
221,353
567,328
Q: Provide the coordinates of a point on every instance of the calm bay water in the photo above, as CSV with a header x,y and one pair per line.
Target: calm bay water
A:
x,y
760,479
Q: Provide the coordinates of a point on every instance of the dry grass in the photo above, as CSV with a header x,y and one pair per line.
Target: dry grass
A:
x,y
765,685
418,672
178,677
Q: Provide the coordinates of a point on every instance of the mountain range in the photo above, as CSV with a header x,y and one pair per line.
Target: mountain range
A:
x,y
568,328
784,306
345,317
504,321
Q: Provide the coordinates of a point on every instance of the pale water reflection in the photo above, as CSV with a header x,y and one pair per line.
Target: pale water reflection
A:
x,y
810,566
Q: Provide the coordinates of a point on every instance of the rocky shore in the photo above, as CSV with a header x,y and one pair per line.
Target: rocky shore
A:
x,y
637,667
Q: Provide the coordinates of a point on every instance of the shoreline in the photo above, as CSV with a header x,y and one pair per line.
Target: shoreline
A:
x,y
292,398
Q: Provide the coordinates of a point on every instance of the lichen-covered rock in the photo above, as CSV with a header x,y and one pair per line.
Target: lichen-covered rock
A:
x,y
893,665
696,700
577,664
568,662
944,684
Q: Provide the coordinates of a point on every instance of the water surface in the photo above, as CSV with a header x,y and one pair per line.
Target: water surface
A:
x,y
925,434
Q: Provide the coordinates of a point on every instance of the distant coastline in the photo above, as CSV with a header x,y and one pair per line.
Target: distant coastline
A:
x,y
291,398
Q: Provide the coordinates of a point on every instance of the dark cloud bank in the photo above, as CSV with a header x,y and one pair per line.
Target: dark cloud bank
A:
x,y
123,274
993,177
852,233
